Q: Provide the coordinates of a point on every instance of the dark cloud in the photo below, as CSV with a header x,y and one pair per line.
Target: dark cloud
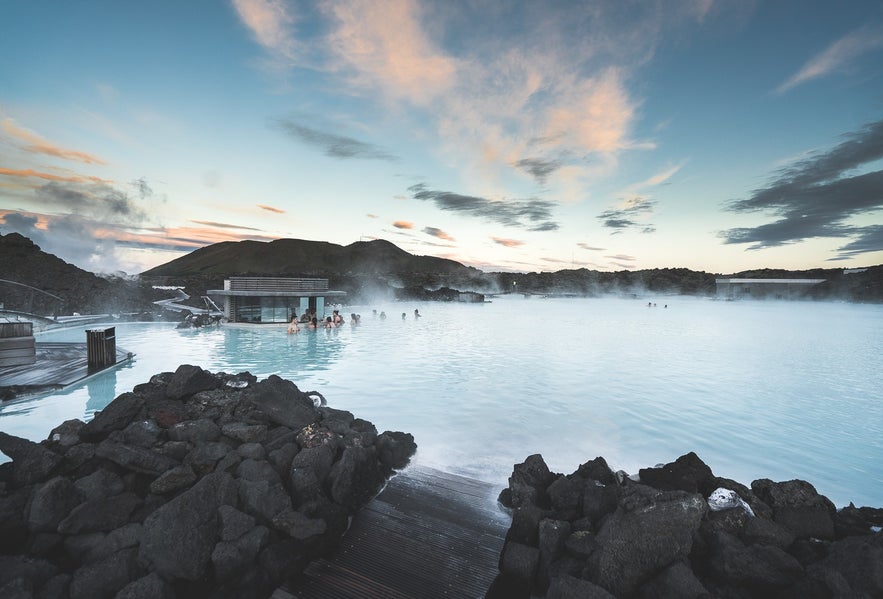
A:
x,y
621,219
816,196
96,200
869,239
336,146
511,213
538,168
70,237
586,246
435,232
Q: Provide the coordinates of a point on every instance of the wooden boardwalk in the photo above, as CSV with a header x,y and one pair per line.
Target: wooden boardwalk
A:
x,y
428,534
58,365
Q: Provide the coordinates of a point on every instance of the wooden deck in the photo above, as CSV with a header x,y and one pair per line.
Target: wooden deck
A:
x,y
428,534
58,365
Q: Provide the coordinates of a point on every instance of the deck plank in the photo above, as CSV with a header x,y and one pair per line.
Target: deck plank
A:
x,y
58,365
428,534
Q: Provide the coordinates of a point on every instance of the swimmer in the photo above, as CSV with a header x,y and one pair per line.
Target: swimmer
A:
x,y
404,316
382,315
292,326
416,313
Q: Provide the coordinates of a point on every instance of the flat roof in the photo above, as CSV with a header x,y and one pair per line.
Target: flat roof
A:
x,y
786,281
260,293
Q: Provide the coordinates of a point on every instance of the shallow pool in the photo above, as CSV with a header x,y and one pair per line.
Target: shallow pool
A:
x,y
779,390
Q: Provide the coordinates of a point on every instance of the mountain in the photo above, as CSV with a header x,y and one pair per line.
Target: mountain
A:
x,y
365,270
298,257
63,288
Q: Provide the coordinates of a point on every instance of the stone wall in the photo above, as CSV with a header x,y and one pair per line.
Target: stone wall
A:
x,y
192,485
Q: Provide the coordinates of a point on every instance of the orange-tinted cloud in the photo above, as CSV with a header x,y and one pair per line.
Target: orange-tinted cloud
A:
x,y
38,145
403,224
509,243
270,22
390,51
621,257
271,209
49,176
438,233
209,223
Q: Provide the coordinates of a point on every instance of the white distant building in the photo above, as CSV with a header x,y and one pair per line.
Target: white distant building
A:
x,y
764,288
272,299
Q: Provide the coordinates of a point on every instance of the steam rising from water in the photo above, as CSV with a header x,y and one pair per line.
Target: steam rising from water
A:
x,y
777,390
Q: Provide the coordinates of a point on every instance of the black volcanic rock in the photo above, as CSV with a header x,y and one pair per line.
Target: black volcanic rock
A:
x,y
223,496
658,536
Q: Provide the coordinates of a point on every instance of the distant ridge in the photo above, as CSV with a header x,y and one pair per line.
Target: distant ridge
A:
x,y
23,262
299,257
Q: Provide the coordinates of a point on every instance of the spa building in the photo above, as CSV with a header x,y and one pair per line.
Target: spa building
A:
x,y
273,299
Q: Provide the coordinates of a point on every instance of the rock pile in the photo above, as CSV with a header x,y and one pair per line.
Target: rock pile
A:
x,y
679,531
192,485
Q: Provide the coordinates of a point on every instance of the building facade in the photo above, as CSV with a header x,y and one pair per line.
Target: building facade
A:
x,y
764,288
273,299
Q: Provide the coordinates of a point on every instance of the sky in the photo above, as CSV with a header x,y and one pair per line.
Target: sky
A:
x,y
715,135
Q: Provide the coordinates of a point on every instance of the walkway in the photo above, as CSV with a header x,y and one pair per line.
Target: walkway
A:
x,y
58,365
428,534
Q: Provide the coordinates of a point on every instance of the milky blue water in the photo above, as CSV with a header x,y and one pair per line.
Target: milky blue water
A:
x,y
776,390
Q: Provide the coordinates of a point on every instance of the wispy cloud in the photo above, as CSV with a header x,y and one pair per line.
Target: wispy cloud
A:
x,y
390,50
97,201
209,223
868,239
271,24
271,209
816,197
634,210
51,177
621,257
403,224
531,214
36,144
438,233
499,97
538,168
628,216
837,56
333,145
592,248
509,243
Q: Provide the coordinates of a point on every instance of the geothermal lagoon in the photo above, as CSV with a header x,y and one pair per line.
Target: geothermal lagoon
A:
x,y
758,389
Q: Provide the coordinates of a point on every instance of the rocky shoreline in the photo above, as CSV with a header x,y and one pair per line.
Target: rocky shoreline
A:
x,y
678,531
194,484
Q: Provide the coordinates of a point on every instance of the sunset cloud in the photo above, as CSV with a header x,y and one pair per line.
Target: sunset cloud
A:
x,y
586,246
271,209
209,223
271,24
50,177
509,243
389,50
438,233
403,224
38,145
